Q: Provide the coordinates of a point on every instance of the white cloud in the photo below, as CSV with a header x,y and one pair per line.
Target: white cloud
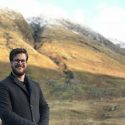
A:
x,y
53,11
33,7
26,7
78,16
110,22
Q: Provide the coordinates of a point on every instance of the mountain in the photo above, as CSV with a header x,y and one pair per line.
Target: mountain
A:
x,y
85,57
119,43
69,60
51,31
16,32
122,44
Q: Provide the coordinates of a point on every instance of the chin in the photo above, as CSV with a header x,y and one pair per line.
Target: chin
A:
x,y
20,73
17,73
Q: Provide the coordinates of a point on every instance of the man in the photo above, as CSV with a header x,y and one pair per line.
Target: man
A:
x,y
21,99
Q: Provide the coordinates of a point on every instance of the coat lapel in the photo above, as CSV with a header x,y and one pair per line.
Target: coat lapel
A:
x,y
30,86
29,82
19,84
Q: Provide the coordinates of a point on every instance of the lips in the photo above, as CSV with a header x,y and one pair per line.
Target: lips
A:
x,y
19,67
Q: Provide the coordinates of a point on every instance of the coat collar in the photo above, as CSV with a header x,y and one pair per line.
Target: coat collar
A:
x,y
28,81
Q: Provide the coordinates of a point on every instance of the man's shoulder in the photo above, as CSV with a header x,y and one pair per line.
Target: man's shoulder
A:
x,y
6,79
32,81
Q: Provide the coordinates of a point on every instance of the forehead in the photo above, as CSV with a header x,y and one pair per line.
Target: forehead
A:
x,y
20,56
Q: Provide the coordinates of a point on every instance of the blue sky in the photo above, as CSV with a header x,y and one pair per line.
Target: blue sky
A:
x,y
104,16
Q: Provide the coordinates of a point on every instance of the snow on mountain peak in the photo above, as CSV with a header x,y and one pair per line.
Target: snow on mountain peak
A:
x,y
121,44
45,20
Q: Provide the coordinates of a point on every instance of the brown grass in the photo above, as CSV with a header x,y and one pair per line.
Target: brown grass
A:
x,y
90,112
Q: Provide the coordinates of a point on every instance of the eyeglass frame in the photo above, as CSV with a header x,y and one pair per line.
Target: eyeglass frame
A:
x,y
20,60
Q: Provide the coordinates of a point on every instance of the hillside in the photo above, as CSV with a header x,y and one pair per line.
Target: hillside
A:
x,y
67,44
15,32
88,60
82,74
69,61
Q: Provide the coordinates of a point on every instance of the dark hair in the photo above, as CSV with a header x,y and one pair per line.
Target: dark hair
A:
x,y
16,51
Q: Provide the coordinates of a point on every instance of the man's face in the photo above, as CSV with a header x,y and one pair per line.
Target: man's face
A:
x,y
19,64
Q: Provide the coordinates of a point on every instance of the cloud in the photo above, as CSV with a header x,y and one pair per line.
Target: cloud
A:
x,y
78,16
53,11
26,7
33,8
110,22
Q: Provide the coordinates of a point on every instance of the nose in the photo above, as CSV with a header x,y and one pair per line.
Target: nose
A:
x,y
19,62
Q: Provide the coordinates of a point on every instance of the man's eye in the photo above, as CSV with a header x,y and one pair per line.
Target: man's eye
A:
x,y
22,61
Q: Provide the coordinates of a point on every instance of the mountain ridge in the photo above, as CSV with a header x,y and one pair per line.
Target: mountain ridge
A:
x,y
67,60
76,28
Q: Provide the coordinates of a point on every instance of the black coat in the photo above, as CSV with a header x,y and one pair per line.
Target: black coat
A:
x,y
21,106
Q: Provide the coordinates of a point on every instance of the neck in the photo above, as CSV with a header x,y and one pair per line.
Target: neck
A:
x,y
20,78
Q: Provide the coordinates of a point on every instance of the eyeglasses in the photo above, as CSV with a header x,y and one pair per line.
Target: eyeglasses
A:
x,y
19,60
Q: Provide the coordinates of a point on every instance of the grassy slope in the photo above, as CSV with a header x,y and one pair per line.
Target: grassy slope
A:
x,y
82,54
35,59
98,73
110,112
15,32
97,70
83,58
90,62
14,21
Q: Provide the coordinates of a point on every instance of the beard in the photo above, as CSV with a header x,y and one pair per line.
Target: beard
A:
x,y
18,73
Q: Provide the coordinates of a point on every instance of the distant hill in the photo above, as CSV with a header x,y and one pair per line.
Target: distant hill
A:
x,y
70,61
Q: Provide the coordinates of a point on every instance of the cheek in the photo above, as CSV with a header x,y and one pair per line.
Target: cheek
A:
x,y
12,65
24,66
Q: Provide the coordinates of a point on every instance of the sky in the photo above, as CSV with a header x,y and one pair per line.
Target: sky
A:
x,y
104,16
